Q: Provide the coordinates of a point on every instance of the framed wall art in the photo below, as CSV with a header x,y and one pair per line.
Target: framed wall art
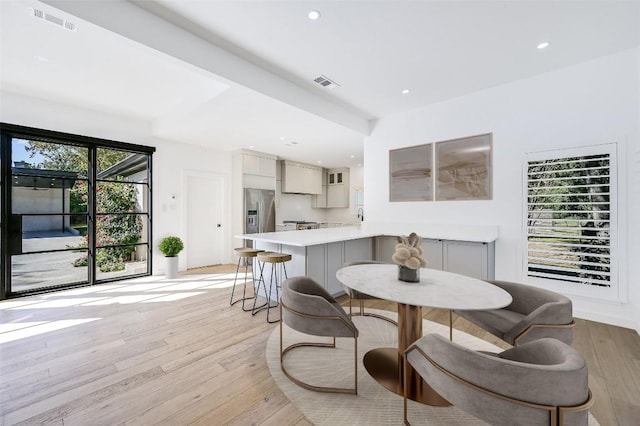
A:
x,y
410,173
464,169
456,169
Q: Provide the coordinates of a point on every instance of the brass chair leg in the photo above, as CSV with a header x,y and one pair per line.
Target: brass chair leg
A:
x,y
404,389
362,313
300,383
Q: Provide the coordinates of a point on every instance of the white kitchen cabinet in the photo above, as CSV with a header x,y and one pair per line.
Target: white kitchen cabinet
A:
x,y
473,259
338,188
301,178
319,201
259,165
258,169
335,190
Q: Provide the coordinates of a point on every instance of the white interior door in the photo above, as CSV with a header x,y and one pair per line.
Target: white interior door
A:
x,y
205,232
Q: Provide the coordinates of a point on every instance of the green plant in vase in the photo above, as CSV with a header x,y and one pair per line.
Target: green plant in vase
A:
x,y
170,247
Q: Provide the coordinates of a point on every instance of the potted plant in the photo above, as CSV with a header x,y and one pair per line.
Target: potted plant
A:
x,y
170,247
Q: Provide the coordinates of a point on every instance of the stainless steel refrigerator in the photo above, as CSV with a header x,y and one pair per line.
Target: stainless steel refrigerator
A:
x,y
259,211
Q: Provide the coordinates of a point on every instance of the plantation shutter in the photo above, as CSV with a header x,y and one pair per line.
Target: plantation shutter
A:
x,y
571,218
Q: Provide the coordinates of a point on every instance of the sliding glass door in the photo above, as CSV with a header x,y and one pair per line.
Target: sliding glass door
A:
x,y
75,211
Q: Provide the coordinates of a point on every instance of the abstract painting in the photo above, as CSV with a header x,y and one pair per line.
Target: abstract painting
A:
x,y
410,173
464,168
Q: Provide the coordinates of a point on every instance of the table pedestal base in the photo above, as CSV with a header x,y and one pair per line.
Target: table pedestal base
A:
x,y
385,366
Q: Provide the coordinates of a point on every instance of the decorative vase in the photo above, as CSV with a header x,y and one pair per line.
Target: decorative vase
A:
x,y
172,267
408,275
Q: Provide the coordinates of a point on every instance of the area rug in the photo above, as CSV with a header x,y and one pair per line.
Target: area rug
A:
x,y
374,405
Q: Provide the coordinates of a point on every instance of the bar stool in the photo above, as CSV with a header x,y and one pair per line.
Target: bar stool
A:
x,y
276,279
245,254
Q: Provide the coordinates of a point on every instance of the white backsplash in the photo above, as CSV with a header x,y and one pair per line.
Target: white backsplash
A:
x,y
298,207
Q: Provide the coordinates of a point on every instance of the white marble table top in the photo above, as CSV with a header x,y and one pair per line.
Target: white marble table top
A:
x,y
436,289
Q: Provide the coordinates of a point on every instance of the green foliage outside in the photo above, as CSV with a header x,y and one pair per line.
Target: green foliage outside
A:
x,y
569,214
111,229
71,158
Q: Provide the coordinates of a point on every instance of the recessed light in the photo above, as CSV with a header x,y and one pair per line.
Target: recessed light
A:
x,y
359,165
405,91
353,156
314,15
251,147
319,162
543,45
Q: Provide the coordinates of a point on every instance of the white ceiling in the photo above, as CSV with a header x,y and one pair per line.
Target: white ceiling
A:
x,y
264,91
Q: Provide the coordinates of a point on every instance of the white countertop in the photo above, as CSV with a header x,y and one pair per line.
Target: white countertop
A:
x,y
312,237
436,289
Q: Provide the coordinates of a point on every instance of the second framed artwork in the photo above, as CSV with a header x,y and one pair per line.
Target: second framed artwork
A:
x,y
456,169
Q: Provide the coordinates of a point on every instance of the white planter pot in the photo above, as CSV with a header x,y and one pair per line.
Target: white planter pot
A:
x,y
172,267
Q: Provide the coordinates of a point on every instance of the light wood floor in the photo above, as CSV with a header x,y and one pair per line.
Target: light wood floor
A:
x,y
177,353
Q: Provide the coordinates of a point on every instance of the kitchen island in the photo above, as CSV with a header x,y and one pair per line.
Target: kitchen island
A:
x,y
319,253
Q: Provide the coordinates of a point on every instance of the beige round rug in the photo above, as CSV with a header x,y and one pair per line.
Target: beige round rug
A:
x,y
374,405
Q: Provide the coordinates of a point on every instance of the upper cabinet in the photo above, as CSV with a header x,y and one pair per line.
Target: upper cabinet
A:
x,y
335,190
260,165
338,188
258,170
336,177
300,178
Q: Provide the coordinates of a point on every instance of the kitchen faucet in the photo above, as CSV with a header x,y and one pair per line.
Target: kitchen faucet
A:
x,y
361,214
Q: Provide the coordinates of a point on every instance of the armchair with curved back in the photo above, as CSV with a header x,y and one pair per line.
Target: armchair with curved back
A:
x,y
307,307
533,314
361,297
536,383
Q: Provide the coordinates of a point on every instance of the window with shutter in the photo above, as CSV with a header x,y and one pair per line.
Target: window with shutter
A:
x,y
571,216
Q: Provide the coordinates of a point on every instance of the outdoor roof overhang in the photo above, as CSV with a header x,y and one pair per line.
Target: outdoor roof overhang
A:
x,y
132,164
42,178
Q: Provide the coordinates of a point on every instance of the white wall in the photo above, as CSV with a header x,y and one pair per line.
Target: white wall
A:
x,y
634,213
591,103
170,162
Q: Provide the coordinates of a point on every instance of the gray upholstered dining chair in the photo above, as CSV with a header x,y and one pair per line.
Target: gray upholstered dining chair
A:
x,y
534,313
537,383
307,307
361,297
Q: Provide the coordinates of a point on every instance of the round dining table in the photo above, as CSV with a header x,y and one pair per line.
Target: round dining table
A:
x,y
436,289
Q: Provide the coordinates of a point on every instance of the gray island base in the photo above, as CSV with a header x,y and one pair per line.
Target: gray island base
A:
x,y
319,253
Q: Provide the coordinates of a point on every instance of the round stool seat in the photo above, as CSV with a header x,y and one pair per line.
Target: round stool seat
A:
x,y
247,251
272,257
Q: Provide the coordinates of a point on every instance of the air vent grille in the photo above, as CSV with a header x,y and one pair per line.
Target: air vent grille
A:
x,y
67,25
326,82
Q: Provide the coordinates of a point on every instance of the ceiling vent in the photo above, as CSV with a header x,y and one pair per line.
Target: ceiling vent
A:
x,y
326,82
62,23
